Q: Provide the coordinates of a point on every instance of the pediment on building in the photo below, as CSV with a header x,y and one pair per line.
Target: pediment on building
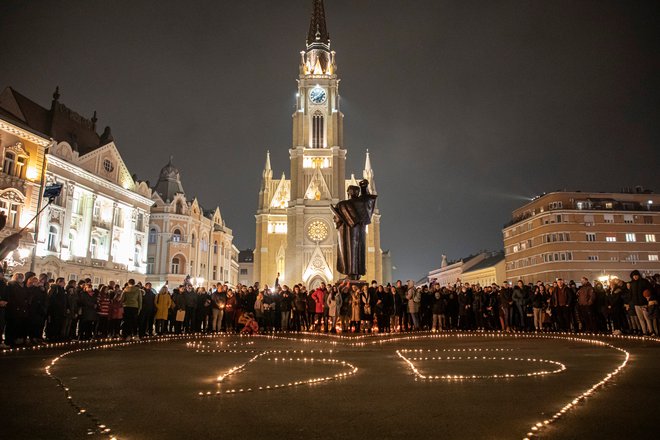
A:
x,y
317,266
282,194
106,162
317,188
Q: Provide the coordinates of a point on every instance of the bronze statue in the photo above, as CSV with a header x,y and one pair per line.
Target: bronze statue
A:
x,y
351,219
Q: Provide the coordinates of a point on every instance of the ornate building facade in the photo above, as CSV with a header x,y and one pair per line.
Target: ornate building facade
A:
x,y
184,240
97,227
295,233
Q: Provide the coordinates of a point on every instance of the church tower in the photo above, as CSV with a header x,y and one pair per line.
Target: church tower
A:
x,y
295,233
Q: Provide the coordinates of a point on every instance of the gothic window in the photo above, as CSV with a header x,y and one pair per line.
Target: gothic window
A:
x,y
176,236
215,247
179,207
175,265
215,273
52,239
192,240
317,130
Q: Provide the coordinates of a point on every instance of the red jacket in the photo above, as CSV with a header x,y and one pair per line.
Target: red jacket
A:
x,y
318,297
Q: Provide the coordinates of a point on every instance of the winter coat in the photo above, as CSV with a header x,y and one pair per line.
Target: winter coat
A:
x,y
300,302
414,297
637,289
586,295
103,305
58,302
334,305
117,307
355,306
318,299
148,301
439,303
88,305
132,297
163,305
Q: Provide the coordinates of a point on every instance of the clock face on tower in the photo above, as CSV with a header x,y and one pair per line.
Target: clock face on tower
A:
x,y
318,95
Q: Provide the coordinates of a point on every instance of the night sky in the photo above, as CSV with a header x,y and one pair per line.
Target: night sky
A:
x,y
468,108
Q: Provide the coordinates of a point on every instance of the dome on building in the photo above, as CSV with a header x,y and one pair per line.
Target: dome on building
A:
x,y
169,182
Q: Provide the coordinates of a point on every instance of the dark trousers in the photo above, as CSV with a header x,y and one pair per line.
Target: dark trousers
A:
x,y
17,328
564,318
146,322
189,320
130,321
87,329
102,326
587,318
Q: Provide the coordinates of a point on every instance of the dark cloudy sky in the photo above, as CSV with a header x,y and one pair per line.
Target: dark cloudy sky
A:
x,y
468,107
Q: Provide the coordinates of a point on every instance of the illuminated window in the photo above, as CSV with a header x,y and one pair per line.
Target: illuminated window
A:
x,y
610,239
20,167
137,257
150,265
8,164
93,247
653,257
176,236
277,227
52,239
175,265
215,247
630,237
650,238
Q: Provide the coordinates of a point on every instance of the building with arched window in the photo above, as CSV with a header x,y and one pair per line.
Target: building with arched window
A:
x,y
97,227
180,231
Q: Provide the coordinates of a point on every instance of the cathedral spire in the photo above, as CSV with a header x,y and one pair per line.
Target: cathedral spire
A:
x,y
268,172
367,163
318,30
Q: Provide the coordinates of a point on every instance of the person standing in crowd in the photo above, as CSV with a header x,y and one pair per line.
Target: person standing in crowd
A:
x,y
615,314
538,304
519,296
319,304
88,304
57,308
413,296
651,311
334,308
148,311
37,310
71,311
438,309
191,305
586,299
465,307
163,304
103,312
116,311
637,286
505,300
356,308
299,309
230,309
403,321
218,300
395,313
562,299
132,306
286,299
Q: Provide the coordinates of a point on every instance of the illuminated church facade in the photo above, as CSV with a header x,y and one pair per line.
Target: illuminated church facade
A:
x,y
295,232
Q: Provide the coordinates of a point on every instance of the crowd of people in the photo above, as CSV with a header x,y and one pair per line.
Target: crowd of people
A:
x,y
35,309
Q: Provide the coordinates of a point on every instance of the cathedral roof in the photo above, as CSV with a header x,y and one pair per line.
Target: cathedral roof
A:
x,y
318,30
59,122
169,182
